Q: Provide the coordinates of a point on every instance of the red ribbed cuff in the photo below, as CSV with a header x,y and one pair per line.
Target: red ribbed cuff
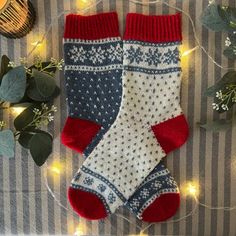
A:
x,y
155,29
98,26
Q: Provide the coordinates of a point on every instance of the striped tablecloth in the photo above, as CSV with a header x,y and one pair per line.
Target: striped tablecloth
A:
x,y
26,207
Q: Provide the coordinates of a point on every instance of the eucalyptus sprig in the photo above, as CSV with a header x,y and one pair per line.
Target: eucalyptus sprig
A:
x,y
225,98
32,87
222,19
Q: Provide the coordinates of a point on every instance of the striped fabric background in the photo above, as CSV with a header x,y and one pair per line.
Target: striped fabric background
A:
x,y
26,207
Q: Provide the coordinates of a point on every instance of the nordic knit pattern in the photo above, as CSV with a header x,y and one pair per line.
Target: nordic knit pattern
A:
x,y
93,79
94,94
158,182
129,151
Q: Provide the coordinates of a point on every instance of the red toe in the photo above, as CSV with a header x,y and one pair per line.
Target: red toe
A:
x,y
86,204
162,208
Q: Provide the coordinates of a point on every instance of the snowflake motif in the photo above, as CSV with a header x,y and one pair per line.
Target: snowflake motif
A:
x,y
144,193
156,185
88,181
96,55
135,202
77,54
170,182
172,56
134,55
153,57
115,53
111,198
101,187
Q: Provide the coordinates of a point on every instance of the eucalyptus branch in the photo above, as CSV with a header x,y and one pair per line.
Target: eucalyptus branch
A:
x,y
43,116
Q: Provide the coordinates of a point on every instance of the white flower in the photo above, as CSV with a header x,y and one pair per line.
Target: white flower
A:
x,y
44,106
54,108
211,2
36,111
224,107
11,64
219,94
215,106
50,117
234,99
53,60
227,42
2,124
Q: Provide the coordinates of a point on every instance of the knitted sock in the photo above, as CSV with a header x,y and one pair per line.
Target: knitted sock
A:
x,y
157,198
150,105
93,59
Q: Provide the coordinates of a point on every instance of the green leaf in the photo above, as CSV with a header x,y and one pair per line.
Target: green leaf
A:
x,y
13,85
230,52
25,136
224,13
24,139
45,83
4,66
7,143
228,14
212,19
228,78
33,93
216,126
25,118
40,147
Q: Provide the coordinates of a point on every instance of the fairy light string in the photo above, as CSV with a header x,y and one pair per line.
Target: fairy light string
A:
x,y
192,189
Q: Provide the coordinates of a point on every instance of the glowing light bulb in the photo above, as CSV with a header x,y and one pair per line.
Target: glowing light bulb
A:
x,y
80,230
143,234
17,110
55,168
82,4
187,52
36,43
190,188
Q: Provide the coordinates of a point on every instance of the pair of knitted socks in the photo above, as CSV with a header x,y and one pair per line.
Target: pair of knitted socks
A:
x,y
124,113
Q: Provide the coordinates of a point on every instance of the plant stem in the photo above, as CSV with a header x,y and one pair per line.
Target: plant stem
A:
x,y
36,119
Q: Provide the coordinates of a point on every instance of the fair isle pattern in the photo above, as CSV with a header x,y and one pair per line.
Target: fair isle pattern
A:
x,y
129,151
93,54
95,183
151,56
96,96
88,86
158,182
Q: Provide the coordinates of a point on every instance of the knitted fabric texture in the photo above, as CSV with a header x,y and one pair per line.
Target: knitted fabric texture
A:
x,y
94,104
129,151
